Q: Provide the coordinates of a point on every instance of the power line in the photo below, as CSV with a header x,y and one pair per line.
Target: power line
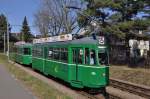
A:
x,y
21,25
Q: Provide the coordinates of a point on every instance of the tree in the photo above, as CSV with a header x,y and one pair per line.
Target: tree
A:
x,y
117,17
3,30
25,31
3,25
55,18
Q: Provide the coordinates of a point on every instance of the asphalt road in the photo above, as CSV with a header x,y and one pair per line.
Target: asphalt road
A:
x,y
10,88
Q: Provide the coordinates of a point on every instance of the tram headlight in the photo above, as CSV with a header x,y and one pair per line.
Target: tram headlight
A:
x,y
103,74
93,73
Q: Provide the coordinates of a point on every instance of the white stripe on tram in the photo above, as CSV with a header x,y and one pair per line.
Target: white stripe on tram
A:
x,y
73,64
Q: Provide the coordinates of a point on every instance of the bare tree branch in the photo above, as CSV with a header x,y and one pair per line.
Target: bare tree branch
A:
x,y
55,18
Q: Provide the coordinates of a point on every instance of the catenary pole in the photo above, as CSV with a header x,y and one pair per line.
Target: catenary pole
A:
x,y
4,42
8,39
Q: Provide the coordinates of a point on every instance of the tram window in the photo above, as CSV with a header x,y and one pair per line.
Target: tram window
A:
x,y
64,54
19,51
103,58
74,56
86,55
34,51
50,53
26,51
77,56
38,52
80,57
56,54
92,57
61,54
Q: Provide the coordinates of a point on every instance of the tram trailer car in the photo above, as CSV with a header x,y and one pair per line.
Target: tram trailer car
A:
x,y
82,62
24,54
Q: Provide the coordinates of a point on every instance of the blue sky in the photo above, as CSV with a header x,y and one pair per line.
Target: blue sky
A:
x,y
16,10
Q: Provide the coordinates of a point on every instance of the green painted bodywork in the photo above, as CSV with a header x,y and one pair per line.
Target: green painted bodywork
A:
x,y
38,64
21,57
78,75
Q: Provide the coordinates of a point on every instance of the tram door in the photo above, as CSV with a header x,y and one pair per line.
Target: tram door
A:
x,y
77,59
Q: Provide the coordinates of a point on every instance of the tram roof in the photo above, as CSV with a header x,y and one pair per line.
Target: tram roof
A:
x,y
25,45
85,40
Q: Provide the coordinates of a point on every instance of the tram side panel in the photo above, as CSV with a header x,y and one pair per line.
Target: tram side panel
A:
x,y
27,59
57,69
27,55
56,64
38,58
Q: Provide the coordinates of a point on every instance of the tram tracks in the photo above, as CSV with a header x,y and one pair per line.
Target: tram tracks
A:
x,y
98,96
140,90
90,96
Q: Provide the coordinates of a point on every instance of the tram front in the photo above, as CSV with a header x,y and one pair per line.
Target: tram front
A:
x,y
103,60
90,63
101,68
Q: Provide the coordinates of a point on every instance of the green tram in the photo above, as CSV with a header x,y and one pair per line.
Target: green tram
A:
x,y
23,54
84,63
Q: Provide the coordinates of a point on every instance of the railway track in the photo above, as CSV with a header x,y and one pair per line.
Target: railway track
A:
x,y
90,96
136,89
98,96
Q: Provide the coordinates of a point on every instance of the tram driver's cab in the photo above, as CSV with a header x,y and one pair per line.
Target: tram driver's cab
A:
x,y
103,58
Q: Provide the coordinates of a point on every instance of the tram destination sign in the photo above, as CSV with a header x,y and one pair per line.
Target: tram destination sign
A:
x,y
65,37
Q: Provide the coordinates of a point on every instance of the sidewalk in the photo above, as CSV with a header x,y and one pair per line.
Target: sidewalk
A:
x,y
11,88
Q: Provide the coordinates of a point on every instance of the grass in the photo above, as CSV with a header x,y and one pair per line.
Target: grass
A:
x,y
40,89
134,75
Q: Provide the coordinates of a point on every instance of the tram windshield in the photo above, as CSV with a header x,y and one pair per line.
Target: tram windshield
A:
x,y
103,58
